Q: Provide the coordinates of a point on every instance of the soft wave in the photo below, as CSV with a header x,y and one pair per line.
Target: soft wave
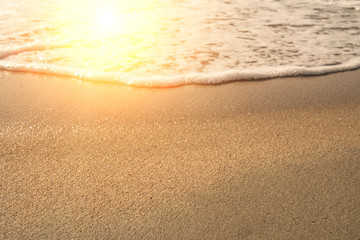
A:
x,y
35,46
166,81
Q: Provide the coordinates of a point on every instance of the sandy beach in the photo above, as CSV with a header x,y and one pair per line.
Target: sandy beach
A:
x,y
275,159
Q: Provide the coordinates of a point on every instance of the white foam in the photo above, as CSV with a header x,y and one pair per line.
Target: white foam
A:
x,y
167,81
34,46
160,38
342,3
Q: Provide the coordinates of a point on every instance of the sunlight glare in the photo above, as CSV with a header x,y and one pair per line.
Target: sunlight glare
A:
x,y
110,34
107,22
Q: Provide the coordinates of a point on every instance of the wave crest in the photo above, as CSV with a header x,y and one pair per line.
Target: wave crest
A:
x,y
165,81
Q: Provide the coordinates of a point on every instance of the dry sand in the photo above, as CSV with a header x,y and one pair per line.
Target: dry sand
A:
x,y
277,159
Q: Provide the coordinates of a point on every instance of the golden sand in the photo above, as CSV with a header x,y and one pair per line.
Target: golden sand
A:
x,y
277,159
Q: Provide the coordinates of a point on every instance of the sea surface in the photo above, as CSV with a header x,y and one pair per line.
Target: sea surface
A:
x,y
161,43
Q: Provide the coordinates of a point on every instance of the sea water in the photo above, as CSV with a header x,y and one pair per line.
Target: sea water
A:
x,y
164,43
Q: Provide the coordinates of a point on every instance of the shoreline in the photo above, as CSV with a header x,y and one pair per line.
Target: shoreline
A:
x,y
178,80
274,159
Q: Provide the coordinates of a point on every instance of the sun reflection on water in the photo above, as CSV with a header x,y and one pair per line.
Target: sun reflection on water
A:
x,y
111,35
107,21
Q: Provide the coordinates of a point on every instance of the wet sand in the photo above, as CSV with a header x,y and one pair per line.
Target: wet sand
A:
x,y
276,159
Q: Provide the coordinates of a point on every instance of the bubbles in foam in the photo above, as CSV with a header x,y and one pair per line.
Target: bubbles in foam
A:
x,y
170,43
175,80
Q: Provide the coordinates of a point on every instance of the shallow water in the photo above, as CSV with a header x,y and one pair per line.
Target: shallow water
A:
x,y
182,41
